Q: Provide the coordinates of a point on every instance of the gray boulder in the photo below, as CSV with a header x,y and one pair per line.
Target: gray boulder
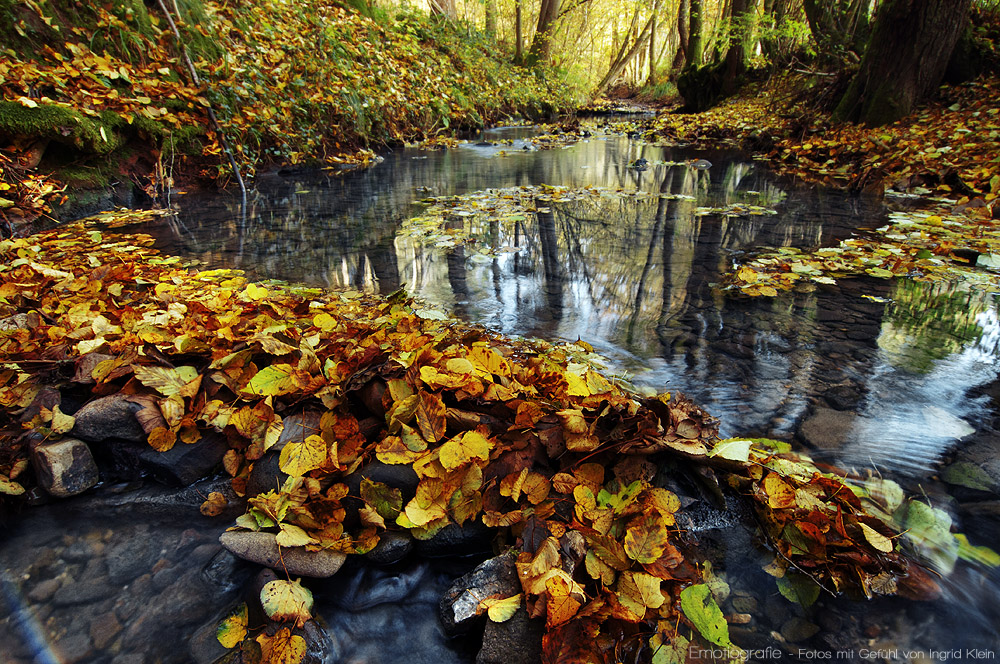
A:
x,y
515,641
262,548
64,467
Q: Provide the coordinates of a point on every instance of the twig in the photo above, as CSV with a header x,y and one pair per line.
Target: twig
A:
x,y
211,113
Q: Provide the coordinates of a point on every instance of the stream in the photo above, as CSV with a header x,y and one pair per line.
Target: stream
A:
x,y
894,378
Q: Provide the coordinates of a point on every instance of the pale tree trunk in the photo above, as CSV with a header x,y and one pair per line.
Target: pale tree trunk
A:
x,y
491,17
905,60
624,56
444,8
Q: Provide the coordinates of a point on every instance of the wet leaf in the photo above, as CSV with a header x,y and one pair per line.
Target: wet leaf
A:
x,y
286,600
798,588
732,448
876,539
233,629
214,505
706,616
282,648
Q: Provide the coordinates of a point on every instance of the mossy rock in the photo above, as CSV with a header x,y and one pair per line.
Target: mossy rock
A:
x,y
63,125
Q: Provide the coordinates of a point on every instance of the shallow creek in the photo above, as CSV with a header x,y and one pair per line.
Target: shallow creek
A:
x,y
896,378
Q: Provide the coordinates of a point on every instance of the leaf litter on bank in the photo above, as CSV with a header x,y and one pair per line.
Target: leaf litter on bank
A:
x,y
523,436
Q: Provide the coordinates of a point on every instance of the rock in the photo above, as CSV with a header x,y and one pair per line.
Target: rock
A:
x,y
262,548
129,558
226,572
393,546
798,629
842,397
515,641
83,592
454,540
495,577
103,630
44,590
827,429
397,476
64,467
109,417
203,646
266,475
185,464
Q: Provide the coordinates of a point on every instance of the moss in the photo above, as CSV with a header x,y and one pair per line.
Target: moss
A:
x,y
61,125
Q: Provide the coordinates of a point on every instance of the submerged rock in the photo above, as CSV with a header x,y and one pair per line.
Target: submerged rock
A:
x,y
64,467
514,641
262,548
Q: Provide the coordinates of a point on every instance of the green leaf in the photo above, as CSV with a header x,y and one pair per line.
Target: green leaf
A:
x,y
272,381
669,650
798,588
700,608
386,500
976,554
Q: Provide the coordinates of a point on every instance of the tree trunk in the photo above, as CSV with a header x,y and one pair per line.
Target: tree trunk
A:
x,y
444,8
624,58
683,43
651,79
905,60
541,45
518,33
696,36
491,17
735,57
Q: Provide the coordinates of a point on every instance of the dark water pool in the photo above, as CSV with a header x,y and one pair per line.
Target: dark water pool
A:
x,y
894,378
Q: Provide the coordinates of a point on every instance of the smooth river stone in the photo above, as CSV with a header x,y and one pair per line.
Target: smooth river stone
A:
x,y
262,548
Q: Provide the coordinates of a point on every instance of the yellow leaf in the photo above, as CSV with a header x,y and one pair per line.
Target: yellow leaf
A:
x,y
324,321
282,648
292,535
255,293
162,439
779,494
459,365
463,448
213,506
431,416
298,458
501,610
646,539
61,422
233,629
876,539
286,600
165,380
273,380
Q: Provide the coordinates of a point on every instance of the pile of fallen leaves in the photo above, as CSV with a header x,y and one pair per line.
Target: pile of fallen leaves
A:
x,y
925,245
528,438
949,146
294,83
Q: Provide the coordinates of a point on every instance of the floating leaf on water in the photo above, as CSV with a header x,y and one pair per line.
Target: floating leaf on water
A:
x,y
876,539
977,554
798,588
